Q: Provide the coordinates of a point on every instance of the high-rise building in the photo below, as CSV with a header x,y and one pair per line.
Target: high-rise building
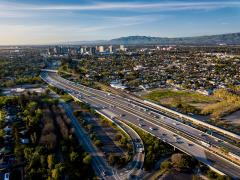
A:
x,y
122,48
57,50
110,49
92,50
101,49
82,50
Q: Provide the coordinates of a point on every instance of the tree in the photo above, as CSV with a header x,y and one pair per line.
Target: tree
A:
x,y
73,156
98,143
166,165
57,172
118,137
113,159
211,174
87,159
50,161
181,161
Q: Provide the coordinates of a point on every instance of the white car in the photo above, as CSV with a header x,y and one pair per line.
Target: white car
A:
x,y
104,173
151,128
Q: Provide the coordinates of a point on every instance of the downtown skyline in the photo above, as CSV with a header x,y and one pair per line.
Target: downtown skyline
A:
x,y
46,22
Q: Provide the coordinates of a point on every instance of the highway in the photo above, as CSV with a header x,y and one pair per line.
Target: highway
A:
x,y
181,136
100,166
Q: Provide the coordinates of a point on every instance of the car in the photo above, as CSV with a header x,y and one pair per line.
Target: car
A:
x,y
6,176
104,173
136,140
140,124
151,128
219,140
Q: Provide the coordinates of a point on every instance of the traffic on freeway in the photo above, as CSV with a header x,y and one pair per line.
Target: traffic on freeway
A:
x,y
181,136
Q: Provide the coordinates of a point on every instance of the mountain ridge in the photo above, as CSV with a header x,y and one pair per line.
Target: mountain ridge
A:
x,y
229,38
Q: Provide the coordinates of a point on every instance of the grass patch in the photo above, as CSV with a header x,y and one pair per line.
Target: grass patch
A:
x,y
229,102
66,97
186,102
184,96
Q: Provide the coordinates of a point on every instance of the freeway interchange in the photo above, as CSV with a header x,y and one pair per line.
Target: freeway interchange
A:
x,y
188,139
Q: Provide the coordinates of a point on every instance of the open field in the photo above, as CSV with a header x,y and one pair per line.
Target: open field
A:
x,y
222,103
185,101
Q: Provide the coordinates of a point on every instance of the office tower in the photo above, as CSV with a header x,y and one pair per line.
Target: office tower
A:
x,y
101,49
122,48
110,49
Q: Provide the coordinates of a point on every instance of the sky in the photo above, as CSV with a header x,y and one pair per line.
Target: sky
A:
x,y
55,21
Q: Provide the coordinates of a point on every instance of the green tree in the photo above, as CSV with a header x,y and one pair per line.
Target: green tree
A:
x,y
166,165
51,161
87,159
98,143
57,172
73,156
181,161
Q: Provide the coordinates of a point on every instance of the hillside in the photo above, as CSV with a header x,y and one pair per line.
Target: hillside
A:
x,y
230,39
233,38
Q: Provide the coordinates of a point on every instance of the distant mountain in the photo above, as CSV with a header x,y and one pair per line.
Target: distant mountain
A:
x,y
231,38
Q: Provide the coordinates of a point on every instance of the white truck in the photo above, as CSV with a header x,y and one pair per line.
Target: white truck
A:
x,y
206,144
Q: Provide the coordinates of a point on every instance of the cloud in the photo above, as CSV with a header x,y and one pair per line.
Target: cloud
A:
x,y
163,6
19,10
38,34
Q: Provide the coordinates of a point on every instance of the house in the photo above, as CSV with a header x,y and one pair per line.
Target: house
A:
x,y
7,129
117,85
205,92
24,140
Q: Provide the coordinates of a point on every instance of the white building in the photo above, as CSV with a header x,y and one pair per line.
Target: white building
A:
x,y
110,49
101,49
122,48
205,92
117,85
